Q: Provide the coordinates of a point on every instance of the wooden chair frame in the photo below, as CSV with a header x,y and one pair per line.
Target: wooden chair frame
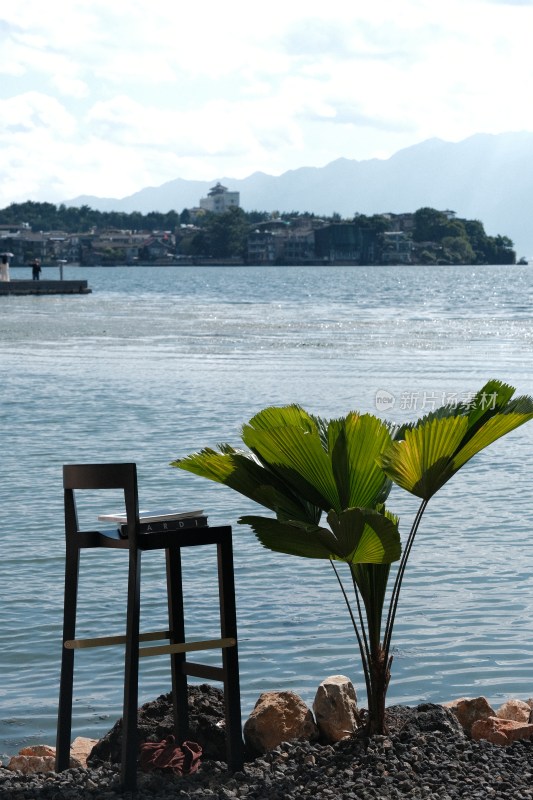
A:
x,y
124,476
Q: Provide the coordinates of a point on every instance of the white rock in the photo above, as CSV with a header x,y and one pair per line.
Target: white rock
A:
x,y
335,708
516,710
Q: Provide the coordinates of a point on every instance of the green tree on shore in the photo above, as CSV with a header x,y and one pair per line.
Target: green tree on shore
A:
x,y
222,235
441,236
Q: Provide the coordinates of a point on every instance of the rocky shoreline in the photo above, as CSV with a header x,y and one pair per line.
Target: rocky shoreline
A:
x,y
426,754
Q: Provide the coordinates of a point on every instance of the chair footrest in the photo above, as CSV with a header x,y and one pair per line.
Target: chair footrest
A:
x,y
187,647
107,641
157,650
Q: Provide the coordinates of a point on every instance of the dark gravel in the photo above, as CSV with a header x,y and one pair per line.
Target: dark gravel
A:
x,y
425,755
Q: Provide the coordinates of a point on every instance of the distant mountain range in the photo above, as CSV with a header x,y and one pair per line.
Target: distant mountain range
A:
x,y
485,177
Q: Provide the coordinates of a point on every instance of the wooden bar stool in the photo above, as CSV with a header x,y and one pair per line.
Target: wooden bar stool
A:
x,y
124,476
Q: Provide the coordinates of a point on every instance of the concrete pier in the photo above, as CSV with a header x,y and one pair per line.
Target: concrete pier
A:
x,y
17,287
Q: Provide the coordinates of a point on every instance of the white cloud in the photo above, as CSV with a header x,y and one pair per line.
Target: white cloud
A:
x,y
35,113
70,86
105,98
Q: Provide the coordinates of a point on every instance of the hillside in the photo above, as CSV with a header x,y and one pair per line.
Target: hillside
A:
x,y
485,177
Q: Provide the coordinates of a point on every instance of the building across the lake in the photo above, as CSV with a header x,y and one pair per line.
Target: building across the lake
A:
x,y
219,199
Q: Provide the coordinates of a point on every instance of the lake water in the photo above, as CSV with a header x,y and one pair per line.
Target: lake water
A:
x,y
158,362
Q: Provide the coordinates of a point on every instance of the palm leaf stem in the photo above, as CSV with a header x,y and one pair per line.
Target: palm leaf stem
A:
x,y
368,650
395,596
361,640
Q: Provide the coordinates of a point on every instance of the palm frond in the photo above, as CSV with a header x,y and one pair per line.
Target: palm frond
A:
x,y
494,428
279,417
421,463
243,473
287,537
359,440
296,455
362,535
438,445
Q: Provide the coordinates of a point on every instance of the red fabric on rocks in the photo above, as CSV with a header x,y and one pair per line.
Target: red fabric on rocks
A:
x,y
183,760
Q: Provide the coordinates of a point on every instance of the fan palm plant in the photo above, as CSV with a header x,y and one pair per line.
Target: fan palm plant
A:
x,y
300,466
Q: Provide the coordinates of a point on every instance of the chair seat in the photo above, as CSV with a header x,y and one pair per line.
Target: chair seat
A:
x,y
110,538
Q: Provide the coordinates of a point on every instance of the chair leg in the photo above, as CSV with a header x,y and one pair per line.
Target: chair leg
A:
x,y
131,675
230,657
176,622
66,682
232,702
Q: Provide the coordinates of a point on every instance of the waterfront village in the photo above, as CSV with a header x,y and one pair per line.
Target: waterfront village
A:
x,y
219,231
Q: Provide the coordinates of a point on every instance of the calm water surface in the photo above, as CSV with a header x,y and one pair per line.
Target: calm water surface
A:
x,y
156,363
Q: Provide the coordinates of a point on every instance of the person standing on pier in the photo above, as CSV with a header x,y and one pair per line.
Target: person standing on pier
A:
x,y
36,269
4,267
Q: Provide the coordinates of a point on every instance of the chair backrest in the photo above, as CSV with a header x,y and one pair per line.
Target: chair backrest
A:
x,y
101,476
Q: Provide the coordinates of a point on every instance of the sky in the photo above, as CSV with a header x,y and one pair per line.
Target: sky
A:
x,y
106,97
